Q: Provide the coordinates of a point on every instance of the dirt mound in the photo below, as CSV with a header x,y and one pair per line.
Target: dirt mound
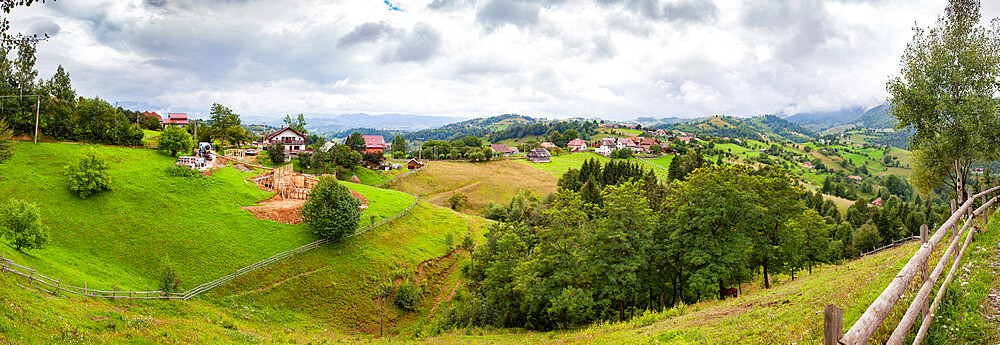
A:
x,y
361,198
283,211
243,168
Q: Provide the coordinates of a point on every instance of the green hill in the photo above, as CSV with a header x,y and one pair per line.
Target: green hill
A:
x,y
755,128
478,127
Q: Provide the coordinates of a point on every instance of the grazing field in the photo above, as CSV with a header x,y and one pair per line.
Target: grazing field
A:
x,y
481,183
561,163
123,238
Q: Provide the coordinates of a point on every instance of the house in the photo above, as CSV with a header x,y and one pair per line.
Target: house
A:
x,y
293,141
807,165
876,202
856,178
177,119
660,132
605,146
539,155
374,143
153,114
413,163
191,162
327,146
627,143
548,145
504,150
577,145
685,139
647,143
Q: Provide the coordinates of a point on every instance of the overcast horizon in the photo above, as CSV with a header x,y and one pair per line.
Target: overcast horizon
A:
x,y
617,59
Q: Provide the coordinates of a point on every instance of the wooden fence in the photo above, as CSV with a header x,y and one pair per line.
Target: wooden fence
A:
x,y
894,244
401,175
200,289
55,287
862,330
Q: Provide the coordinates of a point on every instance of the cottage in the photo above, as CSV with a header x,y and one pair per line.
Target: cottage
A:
x,y
685,139
504,150
153,115
605,146
876,202
293,141
327,146
374,143
807,165
577,145
855,178
548,145
539,155
648,143
413,163
177,119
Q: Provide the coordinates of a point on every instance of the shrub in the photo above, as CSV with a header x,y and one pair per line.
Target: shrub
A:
x,y
449,240
399,155
331,211
169,280
456,200
495,212
180,171
21,224
175,139
276,152
407,296
6,141
468,243
89,176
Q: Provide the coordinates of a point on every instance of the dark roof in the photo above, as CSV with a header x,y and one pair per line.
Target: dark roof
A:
x,y
539,152
501,148
269,136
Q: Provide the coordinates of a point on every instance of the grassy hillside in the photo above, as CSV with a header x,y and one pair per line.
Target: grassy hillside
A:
x,y
495,181
122,238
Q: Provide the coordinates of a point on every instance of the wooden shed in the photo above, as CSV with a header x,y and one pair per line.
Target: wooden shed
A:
x,y
539,155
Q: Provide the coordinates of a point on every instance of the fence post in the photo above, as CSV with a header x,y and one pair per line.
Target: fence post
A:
x,y
923,270
3,262
31,276
954,228
833,324
58,286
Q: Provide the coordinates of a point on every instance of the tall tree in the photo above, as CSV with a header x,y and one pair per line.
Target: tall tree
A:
x,y
298,123
356,142
60,86
946,93
223,119
398,144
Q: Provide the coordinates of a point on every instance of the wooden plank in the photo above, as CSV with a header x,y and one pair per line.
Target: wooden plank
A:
x,y
833,324
944,286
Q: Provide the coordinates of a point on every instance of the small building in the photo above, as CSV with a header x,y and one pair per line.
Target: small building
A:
x,y
153,115
374,143
504,150
548,145
855,178
293,141
876,202
648,143
413,163
577,145
176,119
685,139
539,155
191,162
807,165
327,146
605,146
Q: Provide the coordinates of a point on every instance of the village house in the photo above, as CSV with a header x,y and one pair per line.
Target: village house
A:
x,y
413,163
539,155
293,141
855,178
605,146
177,119
807,165
647,143
626,143
548,145
374,143
153,114
504,150
684,139
577,145
876,202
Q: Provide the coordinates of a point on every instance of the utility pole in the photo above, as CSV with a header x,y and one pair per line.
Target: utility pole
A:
x,y
38,105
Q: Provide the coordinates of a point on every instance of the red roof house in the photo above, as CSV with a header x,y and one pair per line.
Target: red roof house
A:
x,y
577,145
876,202
153,114
374,143
180,119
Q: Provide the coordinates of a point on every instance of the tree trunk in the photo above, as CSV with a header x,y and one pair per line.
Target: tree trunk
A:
x,y
564,320
621,310
960,185
767,283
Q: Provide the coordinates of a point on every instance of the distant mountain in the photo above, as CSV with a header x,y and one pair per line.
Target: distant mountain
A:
x,y
475,127
755,128
819,121
406,122
877,117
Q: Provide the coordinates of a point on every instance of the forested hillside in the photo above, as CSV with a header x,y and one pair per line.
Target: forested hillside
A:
x,y
478,127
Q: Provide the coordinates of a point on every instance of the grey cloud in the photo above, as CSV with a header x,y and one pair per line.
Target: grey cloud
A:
x,y
691,11
497,13
367,32
800,27
419,45
603,48
155,3
45,27
449,4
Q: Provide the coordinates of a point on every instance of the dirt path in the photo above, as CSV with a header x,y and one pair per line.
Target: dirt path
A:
x,y
452,191
442,298
275,284
992,303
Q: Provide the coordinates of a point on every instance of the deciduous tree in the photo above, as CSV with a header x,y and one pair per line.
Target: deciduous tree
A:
x,y
331,211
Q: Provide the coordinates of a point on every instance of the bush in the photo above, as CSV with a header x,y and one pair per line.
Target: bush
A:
x,y
180,171
456,200
331,211
449,240
175,139
6,141
407,296
495,212
169,281
276,152
467,243
21,224
89,176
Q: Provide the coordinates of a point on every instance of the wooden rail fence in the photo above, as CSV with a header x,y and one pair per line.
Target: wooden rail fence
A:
x,y
862,330
894,244
401,175
55,287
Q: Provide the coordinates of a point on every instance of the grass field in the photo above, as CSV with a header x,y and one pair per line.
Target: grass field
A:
x,y
481,183
121,238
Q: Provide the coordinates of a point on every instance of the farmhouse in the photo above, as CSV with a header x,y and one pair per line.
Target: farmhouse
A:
x,y
605,146
876,202
374,143
153,114
807,165
627,143
577,145
177,119
855,178
413,163
505,150
647,143
548,145
539,155
294,141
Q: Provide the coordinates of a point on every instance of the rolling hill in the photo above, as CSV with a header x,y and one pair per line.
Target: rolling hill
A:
x,y
478,127
755,128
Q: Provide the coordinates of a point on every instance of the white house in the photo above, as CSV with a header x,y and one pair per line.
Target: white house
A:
x,y
577,145
605,146
294,141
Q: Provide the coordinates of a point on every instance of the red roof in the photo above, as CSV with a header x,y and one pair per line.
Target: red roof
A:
x,y
176,119
577,142
374,141
272,135
153,114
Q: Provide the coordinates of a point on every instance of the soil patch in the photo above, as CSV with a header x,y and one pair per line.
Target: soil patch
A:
x,y
277,209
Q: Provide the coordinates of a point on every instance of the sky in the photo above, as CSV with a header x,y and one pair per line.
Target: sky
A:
x,y
615,59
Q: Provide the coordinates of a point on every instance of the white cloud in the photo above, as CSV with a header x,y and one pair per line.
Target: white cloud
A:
x,y
556,58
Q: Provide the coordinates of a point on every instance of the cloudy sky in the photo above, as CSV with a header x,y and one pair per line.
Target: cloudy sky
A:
x,y
617,59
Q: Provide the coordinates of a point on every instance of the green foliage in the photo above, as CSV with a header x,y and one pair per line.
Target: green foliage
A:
x,y
398,146
621,154
866,237
298,123
181,171
947,94
331,211
21,224
6,141
572,306
276,152
356,142
456,200
89,176
175,139
407,296
223,119
170,281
